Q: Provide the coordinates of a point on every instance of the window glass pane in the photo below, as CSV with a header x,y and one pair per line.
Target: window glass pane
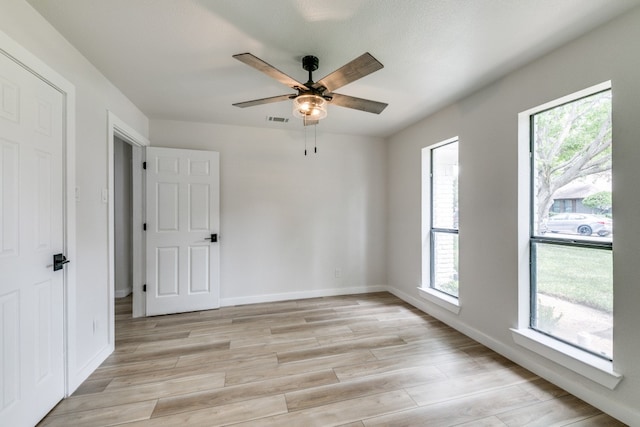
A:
x,y
573,298
572,170
445,186
445,262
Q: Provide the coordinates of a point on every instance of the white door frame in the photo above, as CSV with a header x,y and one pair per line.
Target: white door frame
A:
x,y
41,70
117,127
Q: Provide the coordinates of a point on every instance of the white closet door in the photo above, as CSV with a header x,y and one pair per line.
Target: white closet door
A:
x,y
31,232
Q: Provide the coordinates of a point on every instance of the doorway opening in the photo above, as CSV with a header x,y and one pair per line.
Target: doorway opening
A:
x,y
123,218
126,237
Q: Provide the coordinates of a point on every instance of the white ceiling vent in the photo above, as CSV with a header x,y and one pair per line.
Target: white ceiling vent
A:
x,y
277,119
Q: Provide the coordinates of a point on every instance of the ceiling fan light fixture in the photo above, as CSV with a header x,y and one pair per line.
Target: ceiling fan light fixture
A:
x,y
310,107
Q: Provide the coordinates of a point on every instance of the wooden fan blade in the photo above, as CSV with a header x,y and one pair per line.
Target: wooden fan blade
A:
x,y
263,101
269,70
358,103
362,66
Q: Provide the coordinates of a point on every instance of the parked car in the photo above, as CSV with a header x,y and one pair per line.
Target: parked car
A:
x,y
578,223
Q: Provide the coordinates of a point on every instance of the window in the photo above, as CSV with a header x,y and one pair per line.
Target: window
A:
x,y
571,274
443,236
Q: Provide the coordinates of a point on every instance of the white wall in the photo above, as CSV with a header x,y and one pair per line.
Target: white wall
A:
x,y
486,123
94,96
123,213
288,221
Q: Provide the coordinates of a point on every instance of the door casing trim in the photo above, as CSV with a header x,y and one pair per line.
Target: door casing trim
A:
x,y
119,128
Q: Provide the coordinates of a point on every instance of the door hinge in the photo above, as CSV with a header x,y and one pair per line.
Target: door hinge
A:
x,y
144,226
144,288
144,165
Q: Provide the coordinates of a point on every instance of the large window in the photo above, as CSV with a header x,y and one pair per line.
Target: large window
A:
x,y
444,218
571,233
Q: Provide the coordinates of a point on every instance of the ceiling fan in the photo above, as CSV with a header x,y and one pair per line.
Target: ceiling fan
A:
x,y
310,101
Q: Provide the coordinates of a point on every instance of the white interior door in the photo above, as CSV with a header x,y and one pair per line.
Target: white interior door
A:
x,y
31,232
182,201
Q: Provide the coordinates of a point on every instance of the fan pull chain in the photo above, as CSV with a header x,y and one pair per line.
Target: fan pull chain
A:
x,y
305,135
315,138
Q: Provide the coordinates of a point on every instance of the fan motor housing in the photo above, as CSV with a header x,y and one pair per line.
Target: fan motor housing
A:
x,y
310,63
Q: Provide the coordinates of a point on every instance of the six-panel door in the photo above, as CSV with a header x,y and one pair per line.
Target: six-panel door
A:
x,y
31,232
182,205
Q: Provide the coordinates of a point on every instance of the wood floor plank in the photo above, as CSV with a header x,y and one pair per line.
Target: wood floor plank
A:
x,y
412,330
233,333
463,368
284,341
233,356
366,343
351,361
429,325
339,413
449,389
377,366
125,326
123,369
239,393
542,389
129,347
369,313
126,412
245,364
293,315
330,362
189,344
458,411
425,346
373,384
92,386
168,352
150,336
601,420
238,412
332,302
164,326
484,422
164,375
140,393
319,327
561,411
348,335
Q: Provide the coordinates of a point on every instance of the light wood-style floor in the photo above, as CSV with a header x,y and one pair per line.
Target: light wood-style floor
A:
x,y
357,360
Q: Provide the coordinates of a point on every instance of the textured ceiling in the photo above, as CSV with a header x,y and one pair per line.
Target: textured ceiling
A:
x,y
173,58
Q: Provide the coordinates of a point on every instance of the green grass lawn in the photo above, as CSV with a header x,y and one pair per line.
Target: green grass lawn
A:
x,y
578,275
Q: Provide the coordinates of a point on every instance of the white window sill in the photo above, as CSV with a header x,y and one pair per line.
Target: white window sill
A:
x,y
586,364
440,299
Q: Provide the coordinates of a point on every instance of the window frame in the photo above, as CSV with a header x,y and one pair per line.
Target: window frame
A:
x,y
537,238
437,230
427,289
571,357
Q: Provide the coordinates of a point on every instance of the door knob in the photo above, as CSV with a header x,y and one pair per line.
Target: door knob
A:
x,y
59,261
213,238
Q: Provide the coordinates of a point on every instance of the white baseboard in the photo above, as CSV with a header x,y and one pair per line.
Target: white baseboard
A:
x,y
121,293
226,302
